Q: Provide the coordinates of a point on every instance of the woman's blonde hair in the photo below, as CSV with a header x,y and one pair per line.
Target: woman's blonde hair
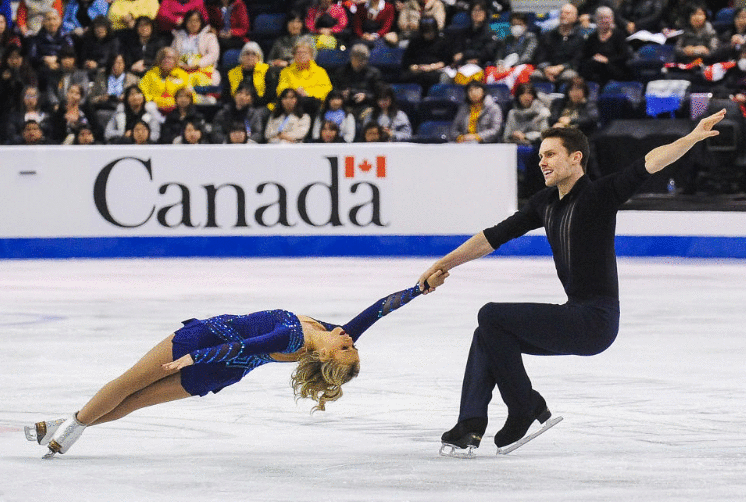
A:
x,y
321,380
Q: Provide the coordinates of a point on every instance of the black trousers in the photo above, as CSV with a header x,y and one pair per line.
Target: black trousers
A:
x,y
508,330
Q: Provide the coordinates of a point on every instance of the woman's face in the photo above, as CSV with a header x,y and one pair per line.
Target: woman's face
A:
x,y
328,134
237,136
136,99
526,99
335,104
478,15
100,31
697,19
576,94
303,54
192,134
145,30
295,26
15,60
140,134
74,96
289,101
193,24
183,100
384,103
249,60
739,22
118,67
338,345
85,137
3,24
476,94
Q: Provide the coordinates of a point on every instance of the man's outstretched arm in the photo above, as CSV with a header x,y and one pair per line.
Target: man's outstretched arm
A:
x,y
476,247
660,157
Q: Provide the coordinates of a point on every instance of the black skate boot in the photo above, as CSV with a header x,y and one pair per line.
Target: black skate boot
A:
x,y
516,426
467,435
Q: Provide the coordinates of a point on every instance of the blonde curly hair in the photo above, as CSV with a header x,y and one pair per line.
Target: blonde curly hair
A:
x,y
321,380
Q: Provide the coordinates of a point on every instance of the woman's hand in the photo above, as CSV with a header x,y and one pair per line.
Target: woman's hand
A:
x,y
181,362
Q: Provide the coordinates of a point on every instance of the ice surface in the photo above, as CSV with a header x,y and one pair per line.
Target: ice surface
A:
x,y
659,416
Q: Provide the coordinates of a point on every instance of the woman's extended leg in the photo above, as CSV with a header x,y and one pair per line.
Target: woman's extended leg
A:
x,y
142,375
164,390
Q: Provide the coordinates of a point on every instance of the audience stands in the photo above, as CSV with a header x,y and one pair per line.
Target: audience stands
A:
x,y
431,112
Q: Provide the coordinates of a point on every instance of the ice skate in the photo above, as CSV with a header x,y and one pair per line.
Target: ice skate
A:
x,y
42,432
66,435
516,426
466,435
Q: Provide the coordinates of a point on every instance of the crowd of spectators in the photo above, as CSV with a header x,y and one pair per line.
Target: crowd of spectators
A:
x,y
144,71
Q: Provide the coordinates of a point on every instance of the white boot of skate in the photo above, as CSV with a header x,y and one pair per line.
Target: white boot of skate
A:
x,y
42,432
66,435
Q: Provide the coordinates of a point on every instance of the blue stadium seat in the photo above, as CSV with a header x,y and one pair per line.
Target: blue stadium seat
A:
x,y
632,90
332,59
649,60
388,60
432,131
545,87
723,19
407,92
460,21
230,59
437,109
268,25
499,92
454,92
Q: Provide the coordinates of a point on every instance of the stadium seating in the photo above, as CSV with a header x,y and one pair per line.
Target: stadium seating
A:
x,y
432,131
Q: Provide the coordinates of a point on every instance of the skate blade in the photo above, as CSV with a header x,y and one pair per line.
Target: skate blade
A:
x,y
547,425
50,455
449,450
30,431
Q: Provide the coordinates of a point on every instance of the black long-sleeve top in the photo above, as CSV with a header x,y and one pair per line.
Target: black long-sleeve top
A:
x,y
580,229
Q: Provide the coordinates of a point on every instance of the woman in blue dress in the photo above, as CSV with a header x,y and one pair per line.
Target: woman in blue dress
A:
x,y
207,355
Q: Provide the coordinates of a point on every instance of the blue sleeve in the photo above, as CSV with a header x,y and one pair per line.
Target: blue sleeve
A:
x,y
382,307
275,341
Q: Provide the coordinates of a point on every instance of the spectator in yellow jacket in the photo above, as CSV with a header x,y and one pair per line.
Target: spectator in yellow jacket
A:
x,y
162,81
124,13
251,67
309,80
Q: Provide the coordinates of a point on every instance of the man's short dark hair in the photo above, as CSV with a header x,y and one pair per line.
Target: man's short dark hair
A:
x,y
572,139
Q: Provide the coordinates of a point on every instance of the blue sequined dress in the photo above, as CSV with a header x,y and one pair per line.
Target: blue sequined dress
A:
x,y
227,347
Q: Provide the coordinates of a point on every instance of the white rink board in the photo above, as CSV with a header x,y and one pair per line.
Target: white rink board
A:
x,y
122,191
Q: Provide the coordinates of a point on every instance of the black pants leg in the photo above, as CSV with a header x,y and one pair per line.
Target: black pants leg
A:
x,y
508,330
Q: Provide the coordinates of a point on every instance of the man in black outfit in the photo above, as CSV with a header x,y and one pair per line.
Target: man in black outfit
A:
x,y
579,216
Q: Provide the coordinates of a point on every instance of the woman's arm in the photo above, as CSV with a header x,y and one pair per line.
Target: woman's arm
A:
x,y
388,304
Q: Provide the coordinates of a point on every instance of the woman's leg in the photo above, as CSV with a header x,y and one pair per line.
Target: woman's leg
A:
x,y
164,390
144,373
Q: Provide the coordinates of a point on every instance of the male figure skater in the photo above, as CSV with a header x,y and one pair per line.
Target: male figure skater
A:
x,y
579,216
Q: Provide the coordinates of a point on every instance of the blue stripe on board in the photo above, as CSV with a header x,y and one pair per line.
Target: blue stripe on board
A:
x,y
344,245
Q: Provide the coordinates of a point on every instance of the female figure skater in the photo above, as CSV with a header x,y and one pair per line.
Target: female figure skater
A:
x,y
207,355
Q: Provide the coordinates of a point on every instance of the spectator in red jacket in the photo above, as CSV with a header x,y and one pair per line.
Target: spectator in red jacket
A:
x,y
373,19
231,22
171,13
326,18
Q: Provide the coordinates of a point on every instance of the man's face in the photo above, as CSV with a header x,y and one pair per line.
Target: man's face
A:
x,y
52,21
568,14
556,163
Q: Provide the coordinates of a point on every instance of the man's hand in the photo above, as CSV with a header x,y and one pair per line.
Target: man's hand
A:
x,y
705,127
437,279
